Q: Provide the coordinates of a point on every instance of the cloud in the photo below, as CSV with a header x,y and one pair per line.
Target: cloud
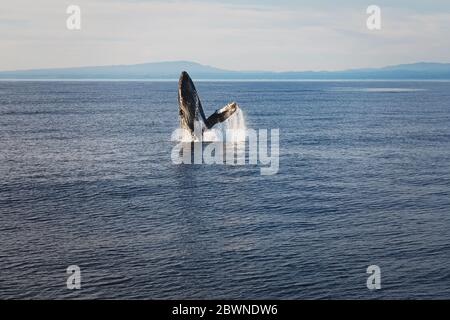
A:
x,y
249,35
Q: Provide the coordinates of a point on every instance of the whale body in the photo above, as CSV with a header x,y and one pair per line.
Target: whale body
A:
x,y
191,110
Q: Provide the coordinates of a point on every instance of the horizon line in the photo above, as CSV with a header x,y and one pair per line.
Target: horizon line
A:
x,y
214,80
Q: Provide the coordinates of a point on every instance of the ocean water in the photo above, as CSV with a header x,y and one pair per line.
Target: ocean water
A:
x,y
86,179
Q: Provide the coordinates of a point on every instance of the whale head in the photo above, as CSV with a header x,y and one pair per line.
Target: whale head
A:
x,y
190,107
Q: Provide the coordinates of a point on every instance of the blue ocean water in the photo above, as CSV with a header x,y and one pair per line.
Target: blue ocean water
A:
x,y
86,178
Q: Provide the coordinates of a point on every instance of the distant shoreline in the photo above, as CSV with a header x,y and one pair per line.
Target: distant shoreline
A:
x,y
220,80
170,71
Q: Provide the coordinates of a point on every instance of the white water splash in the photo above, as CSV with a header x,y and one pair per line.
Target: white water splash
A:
x,y
231,130
235,126
184,135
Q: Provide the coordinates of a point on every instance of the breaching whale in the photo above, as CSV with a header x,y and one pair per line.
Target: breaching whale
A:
x,y
190,107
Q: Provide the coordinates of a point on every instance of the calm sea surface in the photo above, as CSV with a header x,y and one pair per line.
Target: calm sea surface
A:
x,y
86,178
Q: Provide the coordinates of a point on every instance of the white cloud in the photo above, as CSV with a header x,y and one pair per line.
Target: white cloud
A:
x,y
268,37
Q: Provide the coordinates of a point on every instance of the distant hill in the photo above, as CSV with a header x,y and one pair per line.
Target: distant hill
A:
x,y
172,70
157,70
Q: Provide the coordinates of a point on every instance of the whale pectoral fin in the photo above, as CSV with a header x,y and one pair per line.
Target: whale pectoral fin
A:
x,y
221,115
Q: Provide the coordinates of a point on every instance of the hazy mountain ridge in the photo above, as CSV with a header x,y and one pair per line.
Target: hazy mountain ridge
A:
x,y
172,69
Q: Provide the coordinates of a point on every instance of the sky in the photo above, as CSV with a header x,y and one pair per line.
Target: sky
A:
x,y
235,35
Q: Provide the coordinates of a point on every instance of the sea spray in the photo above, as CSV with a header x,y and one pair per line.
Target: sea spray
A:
x,y
226,144
230,131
